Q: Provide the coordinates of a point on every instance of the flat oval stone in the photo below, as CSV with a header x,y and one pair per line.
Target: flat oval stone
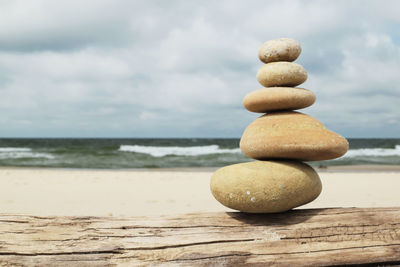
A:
x,y
281,74
282,49
291,135
278,98
265,186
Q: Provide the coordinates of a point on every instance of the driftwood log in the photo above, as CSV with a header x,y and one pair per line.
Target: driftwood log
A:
x,y
314,237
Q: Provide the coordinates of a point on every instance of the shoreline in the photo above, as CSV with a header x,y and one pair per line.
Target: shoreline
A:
x,y
335,168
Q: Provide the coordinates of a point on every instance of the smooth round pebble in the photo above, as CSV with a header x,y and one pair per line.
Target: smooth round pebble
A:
x,y
291,135
265,186
282,49
281,74
278,98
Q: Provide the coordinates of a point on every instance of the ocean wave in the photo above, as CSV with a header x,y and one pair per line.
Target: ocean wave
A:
x,y
14,149
161,151
373,152
21,152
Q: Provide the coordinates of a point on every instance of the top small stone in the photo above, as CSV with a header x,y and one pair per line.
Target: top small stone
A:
x,y
282,49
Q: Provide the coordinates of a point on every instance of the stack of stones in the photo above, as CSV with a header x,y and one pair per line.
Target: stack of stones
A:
x,y
279,140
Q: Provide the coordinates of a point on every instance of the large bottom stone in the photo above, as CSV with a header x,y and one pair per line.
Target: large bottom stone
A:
x,y
265,186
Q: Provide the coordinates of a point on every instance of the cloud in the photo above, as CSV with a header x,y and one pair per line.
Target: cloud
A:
x,y
45,24
180,68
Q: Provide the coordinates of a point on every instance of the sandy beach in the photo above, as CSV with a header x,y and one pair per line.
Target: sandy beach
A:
x,y
47,192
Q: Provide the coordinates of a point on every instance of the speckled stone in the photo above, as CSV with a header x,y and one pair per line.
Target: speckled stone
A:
x,y
282,49
281,74
265,186
291,135
278,98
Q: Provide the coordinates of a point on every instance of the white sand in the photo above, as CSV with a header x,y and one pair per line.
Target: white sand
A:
x,y
134,193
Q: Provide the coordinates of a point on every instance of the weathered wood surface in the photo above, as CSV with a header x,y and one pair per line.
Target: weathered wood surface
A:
x,y
315,237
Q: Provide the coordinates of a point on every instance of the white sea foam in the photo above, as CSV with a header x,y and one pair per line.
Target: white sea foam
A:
x,y
161,151
14,149
373,152
21,152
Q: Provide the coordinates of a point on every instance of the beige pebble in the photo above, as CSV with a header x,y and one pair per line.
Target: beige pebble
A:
x,y
278,98
265,186
281,74
291,135
282,49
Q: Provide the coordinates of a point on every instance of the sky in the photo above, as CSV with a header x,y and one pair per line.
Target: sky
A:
x,y
122,68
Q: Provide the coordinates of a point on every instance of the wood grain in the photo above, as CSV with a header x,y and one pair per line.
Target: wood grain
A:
x,y
314,237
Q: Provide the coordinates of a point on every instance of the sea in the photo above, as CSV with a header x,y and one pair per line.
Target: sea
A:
x,y
117,153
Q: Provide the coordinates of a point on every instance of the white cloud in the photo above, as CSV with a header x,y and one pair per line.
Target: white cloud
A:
x,y
180,68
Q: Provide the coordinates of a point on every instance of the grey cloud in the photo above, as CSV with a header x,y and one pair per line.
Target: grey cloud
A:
x,y
180,68
63,25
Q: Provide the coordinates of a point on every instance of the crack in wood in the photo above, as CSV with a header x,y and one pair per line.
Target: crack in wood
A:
x,y
226,256
216,257
289,253
116,251
380,231
170,227
191,244
14,221
120,250
228,226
